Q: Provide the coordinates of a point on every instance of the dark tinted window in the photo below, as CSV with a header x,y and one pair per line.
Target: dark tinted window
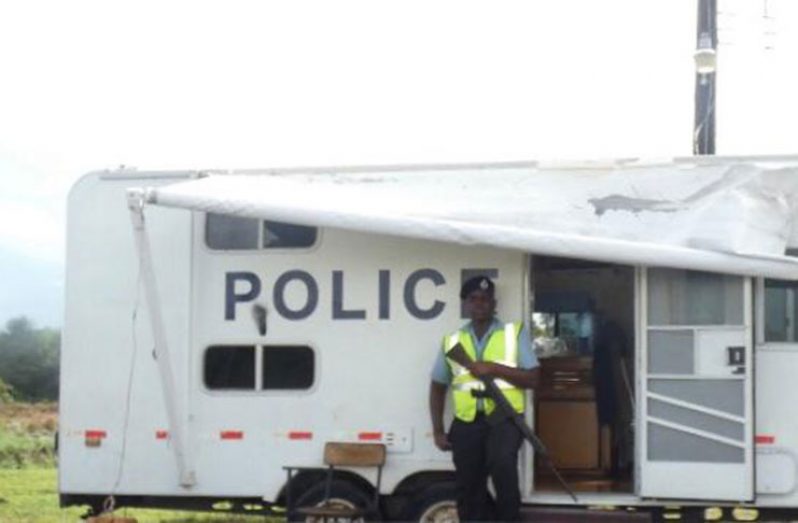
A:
x,y
288,367
781,308
781,311
230,367
231,232
226,232
278,234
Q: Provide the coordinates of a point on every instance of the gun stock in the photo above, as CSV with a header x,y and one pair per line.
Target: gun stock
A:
x,y
458,355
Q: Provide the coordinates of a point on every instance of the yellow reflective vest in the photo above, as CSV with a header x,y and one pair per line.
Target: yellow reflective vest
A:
x,y
502,348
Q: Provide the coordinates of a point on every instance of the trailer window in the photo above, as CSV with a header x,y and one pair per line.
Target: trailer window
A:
x,y
282,367
682,297
287,235
781,308
781,311
224,232
287,367
230,367
231,232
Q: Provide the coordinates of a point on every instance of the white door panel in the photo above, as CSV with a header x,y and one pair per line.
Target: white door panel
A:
x,y
695,417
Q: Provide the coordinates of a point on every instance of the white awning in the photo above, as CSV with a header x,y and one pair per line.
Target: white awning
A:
x,y
724,215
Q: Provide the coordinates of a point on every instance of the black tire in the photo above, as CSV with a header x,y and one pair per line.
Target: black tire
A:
x,y
436,503
341,491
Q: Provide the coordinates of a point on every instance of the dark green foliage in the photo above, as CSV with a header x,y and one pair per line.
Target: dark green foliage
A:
x,y
29,360
6,392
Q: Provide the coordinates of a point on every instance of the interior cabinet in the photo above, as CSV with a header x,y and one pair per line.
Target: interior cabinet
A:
x,y
565,415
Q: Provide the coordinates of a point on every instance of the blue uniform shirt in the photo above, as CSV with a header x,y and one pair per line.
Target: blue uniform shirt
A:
x,y
441,373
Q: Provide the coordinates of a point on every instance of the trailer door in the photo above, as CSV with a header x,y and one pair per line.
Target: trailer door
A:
x,y
695,409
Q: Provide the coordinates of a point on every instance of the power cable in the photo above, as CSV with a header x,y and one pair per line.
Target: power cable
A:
x,y
129,394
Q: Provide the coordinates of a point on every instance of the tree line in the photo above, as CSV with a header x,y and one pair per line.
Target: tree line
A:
x,y
28,361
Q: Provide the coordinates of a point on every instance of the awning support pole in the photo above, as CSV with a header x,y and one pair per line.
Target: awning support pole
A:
x,y
136,201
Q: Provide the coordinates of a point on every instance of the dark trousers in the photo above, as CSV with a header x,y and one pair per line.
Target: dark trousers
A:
x,y
483,450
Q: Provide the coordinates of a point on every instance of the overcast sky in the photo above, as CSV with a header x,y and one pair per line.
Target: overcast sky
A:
x,y
191,84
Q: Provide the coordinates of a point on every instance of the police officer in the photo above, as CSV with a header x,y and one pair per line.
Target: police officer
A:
x,y
481,446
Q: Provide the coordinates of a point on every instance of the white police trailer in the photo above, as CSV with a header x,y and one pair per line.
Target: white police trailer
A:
x,y
247,318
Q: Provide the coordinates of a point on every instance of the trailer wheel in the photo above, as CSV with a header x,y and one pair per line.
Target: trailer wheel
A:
x,y
435,504
342,493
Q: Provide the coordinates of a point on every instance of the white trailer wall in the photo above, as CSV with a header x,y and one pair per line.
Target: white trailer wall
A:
x,y
106,329
372,374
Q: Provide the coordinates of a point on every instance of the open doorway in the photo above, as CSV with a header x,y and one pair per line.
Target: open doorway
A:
x,y
583,324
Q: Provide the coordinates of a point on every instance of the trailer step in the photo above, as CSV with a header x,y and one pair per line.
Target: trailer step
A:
x,y
571,515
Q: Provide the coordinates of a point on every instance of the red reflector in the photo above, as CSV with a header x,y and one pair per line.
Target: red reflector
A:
x,y
765,440
232,434
95,434
370,436
300,435
161,434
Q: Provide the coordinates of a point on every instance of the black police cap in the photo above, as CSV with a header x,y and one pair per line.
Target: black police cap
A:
x,y
481,283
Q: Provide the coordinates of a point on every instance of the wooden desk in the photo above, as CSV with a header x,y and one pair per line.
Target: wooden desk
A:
x,y
565,415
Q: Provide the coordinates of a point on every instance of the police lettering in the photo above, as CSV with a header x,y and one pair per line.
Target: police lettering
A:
x,y
242,287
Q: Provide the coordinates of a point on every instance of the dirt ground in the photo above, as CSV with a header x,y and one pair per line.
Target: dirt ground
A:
x,y
29,417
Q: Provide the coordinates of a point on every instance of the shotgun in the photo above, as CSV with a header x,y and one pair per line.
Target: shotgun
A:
x,y
504,411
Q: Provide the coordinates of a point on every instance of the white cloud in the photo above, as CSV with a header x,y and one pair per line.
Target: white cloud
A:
x,y
253,84
31,230
193,84
177,84
757,78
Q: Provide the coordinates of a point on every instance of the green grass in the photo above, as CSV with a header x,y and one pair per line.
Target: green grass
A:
x,y
27,434
30,495
18,450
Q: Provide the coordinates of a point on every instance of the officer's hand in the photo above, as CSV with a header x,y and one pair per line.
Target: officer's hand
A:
x,y
442,441
482,369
